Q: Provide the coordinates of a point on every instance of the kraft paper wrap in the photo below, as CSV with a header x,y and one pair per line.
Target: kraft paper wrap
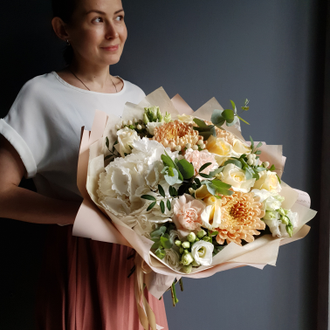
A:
x,y
93,223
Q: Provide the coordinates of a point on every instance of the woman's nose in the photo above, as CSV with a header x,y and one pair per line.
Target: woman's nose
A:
x,y
111,32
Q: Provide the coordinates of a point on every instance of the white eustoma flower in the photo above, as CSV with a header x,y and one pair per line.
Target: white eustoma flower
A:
x,y
202,252
271,201
269,181
235,176
126,137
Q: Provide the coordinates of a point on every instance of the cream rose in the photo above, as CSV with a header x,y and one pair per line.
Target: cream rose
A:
x,y
202,252
240,147
235,176
126,137
268,181
172,258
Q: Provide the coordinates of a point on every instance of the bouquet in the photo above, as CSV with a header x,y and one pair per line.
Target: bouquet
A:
x,y
186,191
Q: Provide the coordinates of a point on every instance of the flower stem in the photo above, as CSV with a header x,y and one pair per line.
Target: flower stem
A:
x,y
173,293
181,284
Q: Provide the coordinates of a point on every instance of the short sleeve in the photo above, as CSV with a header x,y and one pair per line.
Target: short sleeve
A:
x,y
24,126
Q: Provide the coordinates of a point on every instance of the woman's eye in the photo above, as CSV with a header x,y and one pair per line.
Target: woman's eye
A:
x,y
98,20
119,18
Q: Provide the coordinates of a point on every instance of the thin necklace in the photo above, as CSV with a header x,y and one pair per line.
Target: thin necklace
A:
x,y
87,87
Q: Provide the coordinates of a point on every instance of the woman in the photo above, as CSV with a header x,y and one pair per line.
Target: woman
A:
x,y
87,284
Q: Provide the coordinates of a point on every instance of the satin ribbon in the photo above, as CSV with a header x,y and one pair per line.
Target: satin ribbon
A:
x,y
146,314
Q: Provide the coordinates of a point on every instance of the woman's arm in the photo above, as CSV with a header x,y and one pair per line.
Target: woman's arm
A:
x,y
25,205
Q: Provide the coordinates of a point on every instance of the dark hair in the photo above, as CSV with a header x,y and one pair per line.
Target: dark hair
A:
x,y
64,9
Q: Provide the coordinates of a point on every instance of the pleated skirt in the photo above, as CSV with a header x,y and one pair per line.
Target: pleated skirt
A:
x,y
84,285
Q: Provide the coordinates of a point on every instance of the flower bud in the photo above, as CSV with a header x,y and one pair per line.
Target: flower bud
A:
x,y
130,122
191,237
270,215
195,147
181,250
187,259
167,117
207,239
285,220
187,269
118,127
201,233
281,211
177,242
145,118
159,115
178,148
265,164
185,245
124,123
139,127
188,145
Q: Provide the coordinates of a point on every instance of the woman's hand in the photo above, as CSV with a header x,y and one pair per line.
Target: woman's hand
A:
x,y
25,205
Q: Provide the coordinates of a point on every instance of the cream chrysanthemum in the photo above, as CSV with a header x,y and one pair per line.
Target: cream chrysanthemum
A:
x,y
176,133
240,218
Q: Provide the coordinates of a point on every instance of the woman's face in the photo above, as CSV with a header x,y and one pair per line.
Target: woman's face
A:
x,y
97,32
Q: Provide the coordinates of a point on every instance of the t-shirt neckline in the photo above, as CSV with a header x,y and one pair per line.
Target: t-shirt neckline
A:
x,y
63,82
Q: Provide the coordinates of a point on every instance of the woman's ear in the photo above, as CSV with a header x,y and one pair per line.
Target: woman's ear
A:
x,y
59,28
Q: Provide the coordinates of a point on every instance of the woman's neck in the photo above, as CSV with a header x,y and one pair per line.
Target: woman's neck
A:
x,y
92,78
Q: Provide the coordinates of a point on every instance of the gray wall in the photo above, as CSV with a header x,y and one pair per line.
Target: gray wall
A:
x,y
268,51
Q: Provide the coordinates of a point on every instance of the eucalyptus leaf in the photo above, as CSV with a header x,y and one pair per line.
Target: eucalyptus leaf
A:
x,y
156,245
167,160
160,253
217,118
216,171
165,242
187,169
233,161
249,173
228,115
233,105
199,122
158,232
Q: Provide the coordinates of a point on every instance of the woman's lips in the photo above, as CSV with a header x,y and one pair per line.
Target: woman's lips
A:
x,y
111,48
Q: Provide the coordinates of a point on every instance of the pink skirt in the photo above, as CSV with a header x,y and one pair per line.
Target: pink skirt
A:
x,y
84,286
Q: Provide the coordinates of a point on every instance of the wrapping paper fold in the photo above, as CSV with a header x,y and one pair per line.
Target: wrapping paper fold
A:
x,y
91,222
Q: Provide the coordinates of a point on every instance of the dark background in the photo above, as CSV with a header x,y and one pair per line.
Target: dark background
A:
x,y
269,51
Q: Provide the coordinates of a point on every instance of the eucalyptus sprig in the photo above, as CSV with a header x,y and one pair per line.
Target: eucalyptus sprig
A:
x,y
218,118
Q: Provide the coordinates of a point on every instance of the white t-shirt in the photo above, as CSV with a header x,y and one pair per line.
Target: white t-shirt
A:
x,y
44,126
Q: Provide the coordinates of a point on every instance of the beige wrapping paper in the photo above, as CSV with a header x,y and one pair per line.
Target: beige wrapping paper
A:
x,y
91,222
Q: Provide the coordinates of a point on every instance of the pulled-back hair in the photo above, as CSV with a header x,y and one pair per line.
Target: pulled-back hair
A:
x,y
64,9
